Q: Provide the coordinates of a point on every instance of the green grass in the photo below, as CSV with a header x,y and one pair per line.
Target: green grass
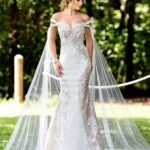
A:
x,y
6,127
9,111
143,125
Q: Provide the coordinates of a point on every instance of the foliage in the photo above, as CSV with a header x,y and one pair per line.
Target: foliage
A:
x,y
23,30
113,41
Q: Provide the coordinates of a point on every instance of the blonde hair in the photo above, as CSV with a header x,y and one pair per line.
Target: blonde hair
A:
x,y
63,4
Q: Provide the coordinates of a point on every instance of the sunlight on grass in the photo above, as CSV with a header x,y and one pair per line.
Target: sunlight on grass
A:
x,y
123,110
13,108
10,108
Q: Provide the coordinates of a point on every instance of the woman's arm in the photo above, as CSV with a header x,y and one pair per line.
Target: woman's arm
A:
x,y
52,45
52,41
89,40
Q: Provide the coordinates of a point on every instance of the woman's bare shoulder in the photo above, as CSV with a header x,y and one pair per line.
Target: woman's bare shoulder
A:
x,y
85,17
56,16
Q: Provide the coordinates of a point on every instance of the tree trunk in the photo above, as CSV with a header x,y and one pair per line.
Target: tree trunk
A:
x,y
123,12
89,7
14,12
130,48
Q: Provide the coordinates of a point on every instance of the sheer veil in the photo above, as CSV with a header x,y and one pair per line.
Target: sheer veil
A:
x,y
116,126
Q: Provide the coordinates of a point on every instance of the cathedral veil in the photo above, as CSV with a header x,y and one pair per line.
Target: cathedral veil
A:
x,y
117,128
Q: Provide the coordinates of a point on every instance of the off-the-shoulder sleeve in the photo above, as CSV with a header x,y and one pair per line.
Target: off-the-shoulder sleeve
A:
x,y
88,23
53,22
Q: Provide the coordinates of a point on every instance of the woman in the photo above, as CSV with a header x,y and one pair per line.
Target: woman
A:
x,y
79,77
74,68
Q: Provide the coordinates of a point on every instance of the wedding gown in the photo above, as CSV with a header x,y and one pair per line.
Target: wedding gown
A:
x,y
75,123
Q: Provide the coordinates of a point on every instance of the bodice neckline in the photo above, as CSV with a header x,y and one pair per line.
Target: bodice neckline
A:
x,y
71,26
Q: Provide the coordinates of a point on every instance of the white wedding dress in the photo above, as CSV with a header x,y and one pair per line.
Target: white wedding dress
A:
x,y
74,124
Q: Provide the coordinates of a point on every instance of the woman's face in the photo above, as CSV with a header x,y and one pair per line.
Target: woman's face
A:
x,y
76,4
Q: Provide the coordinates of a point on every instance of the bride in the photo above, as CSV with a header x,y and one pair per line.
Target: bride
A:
x,y
77,78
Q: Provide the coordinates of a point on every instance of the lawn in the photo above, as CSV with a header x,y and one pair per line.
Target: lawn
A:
x,y
9,111
7,125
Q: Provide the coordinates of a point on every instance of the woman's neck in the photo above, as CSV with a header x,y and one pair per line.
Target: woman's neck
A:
x,y
70,11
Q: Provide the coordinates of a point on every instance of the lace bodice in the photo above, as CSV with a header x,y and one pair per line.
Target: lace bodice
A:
x,y
70,34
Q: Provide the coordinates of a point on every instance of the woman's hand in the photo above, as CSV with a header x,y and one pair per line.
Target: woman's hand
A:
x,y
59,68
